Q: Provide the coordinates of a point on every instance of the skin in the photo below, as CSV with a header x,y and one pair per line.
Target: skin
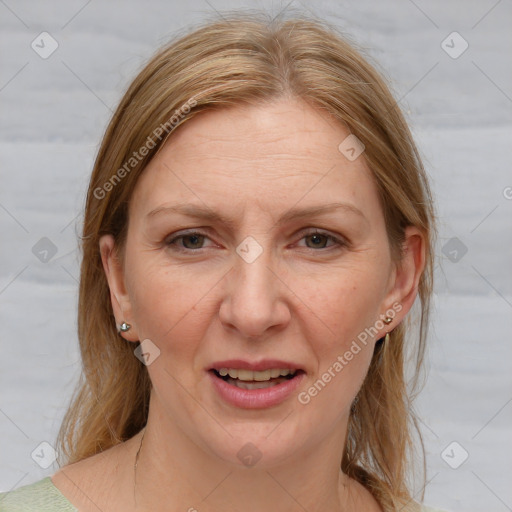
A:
x,y
298,301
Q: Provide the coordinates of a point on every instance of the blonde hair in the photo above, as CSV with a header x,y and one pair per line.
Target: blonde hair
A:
x,y
252,59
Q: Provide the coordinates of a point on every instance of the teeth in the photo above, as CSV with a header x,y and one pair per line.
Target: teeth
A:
x,y
251,376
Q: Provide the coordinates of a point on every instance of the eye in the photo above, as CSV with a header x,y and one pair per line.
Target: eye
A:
x,y
188,241
319,239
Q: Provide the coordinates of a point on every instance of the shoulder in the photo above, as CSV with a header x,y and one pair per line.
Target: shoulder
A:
x,y
41,496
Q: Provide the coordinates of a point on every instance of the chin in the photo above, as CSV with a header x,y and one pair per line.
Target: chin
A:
x,y
261,445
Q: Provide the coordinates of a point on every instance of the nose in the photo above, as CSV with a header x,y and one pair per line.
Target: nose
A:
x,y
256,298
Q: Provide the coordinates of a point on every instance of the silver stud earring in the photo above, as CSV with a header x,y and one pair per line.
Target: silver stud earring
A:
x,y
124,327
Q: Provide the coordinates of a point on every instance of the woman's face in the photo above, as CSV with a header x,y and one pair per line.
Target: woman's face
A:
x,y
286,266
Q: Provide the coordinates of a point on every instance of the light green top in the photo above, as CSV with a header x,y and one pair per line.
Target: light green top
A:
x,y
43,496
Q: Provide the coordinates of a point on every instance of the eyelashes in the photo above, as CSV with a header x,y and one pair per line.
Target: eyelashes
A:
x,y
176,243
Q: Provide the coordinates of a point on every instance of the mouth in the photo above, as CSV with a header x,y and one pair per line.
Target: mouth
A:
x,y
255,385
251,379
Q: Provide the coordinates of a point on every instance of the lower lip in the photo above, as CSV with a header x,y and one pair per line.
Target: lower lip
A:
x,y
256,398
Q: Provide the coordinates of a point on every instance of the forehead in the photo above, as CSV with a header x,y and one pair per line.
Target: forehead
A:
x,y
272,154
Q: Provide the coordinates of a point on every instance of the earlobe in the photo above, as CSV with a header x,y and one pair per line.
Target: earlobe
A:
x,y
119,298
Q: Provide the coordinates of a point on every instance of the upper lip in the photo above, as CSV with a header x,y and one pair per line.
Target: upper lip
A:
x,y
256,366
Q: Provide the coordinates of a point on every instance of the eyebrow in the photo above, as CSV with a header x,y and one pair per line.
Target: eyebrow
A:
x,y
205,213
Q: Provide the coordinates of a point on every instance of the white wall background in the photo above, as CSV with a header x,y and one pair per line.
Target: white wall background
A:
x,y
52,115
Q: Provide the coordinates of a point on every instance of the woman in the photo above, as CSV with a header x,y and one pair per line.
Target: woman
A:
x,y
258,227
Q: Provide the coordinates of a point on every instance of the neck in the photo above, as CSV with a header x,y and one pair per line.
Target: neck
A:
x,y
170,471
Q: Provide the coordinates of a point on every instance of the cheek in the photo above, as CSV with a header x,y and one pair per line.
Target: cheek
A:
x,y
348,305
167,305
168,309
347,301
342,359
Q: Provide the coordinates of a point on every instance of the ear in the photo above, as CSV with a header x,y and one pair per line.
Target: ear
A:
x,y
406,275
118,295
